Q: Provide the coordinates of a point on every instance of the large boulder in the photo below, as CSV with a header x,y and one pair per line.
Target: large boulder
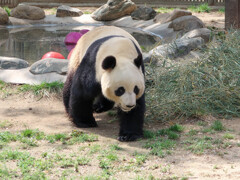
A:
x,y
143,13
114,9
202,32
186,23
167,17
28,12
49,65
178,48
3,16
67,11
12,63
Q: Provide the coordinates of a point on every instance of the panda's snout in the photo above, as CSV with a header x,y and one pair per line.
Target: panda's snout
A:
x,y
130,106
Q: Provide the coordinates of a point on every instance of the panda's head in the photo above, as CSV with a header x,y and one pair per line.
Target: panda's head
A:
x,y
123,81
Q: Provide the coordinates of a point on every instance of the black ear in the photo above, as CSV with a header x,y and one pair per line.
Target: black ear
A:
x,y
109,62
138,60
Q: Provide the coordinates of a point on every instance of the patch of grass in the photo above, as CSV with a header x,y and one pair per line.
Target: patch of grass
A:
x,y
201,8
7,10
79,137
192,132
115,147
221,10
5,124
199,145
161,147
42,89
217,126
57,137
163,10
140,158
228,136
208,87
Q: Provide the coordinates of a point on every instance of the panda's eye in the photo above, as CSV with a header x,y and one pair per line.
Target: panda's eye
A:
x,y
136,90
120,91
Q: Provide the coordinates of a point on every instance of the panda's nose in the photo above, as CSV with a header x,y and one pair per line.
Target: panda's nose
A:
x,y
130,106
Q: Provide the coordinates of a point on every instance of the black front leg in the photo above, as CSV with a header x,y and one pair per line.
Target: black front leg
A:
x,y
131,123
102,104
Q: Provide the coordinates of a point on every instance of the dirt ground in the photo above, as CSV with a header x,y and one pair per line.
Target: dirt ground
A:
x,y
47,115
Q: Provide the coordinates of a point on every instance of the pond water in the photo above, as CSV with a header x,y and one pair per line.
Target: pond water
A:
x,y
31,43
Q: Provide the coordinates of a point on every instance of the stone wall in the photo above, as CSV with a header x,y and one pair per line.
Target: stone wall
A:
x,y
12,3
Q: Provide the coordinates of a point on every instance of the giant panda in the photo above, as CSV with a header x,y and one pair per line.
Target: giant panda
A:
x,y
106,69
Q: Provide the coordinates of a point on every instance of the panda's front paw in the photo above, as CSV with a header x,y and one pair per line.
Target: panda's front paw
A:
x,y
129,137
98,108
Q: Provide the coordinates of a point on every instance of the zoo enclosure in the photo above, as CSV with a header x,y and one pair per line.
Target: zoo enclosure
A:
x,y
170,3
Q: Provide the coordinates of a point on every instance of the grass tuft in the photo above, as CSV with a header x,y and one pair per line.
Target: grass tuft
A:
x,y
208,87
201,8
42,89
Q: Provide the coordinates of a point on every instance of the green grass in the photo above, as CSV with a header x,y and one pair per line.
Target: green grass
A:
x,y
200,8
217,126
208,87
7,10
163,10
42,89
221,10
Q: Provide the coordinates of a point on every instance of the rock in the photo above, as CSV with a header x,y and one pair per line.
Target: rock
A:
x,y
67,11
178,48
167,17
12,63
3,16
202,32
28,12
143,13
24,76
114,9
49,65
186,23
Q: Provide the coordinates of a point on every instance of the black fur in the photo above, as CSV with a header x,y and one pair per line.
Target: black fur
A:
x,y
109,62
81,88
131,123
138,60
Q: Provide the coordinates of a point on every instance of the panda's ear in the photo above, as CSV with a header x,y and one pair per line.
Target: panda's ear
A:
x,y
138,60
109,63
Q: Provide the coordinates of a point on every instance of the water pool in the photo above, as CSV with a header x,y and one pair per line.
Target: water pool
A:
x,y
32,42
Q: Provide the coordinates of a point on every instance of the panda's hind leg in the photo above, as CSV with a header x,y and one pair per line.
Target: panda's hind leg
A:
x,y
101,104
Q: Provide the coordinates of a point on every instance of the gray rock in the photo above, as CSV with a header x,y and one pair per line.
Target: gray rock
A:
x,y
24,76
28,12
167,17
114,9
67,11
143,13
202,32
178,48
186,23
49,65
12,63
3,17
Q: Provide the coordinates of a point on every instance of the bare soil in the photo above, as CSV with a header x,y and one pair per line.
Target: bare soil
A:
x,y
48,115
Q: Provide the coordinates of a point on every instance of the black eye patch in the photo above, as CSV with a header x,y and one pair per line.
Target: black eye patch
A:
x,y
136,90
120,91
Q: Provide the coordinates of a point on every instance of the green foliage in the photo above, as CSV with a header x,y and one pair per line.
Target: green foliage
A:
x,y
208,87
221,10
42,89
201,8
164,10
217,126
7,10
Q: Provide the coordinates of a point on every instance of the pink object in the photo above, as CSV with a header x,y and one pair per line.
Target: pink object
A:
x,y
84,31
70,54
52,54
72,37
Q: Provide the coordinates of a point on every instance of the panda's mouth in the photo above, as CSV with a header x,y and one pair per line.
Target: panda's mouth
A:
x,y
125,109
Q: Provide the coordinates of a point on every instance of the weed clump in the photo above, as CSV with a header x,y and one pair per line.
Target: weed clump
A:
x,y
208,87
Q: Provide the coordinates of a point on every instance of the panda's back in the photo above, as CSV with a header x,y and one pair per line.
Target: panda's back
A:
x,y
89,38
